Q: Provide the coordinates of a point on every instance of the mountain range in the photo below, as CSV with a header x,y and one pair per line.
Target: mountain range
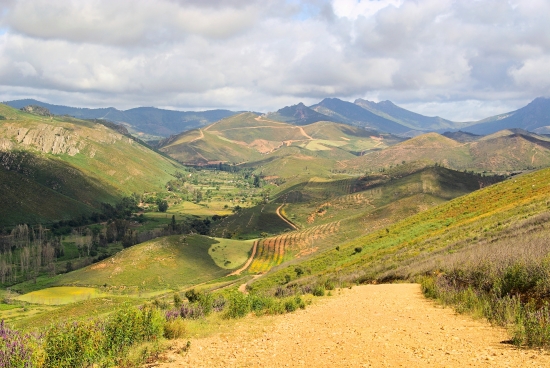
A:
x,y
384,116
146,120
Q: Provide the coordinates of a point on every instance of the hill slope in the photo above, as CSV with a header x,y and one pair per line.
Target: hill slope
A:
x,y
422,243
247,137
78,160
166,263
508,150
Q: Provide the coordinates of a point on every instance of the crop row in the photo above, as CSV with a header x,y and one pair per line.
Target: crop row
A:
x,y
272,251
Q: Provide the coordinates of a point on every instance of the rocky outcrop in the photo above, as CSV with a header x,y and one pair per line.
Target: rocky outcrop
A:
x,y
37,110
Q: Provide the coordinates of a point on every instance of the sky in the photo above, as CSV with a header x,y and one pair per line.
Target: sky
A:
x,y
462,60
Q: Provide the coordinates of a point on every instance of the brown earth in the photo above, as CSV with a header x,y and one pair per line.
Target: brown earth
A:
x,y
367,326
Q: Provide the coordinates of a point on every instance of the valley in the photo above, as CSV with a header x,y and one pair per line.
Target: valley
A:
x,y
265,214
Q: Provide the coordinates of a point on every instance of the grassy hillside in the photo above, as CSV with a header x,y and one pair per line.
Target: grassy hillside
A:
x,y
72,160
251,138
422,243
328,212
167,263
509,150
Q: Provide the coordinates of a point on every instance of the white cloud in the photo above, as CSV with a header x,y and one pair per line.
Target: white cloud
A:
x,y
262,55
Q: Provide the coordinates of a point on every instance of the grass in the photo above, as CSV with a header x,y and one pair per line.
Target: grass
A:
x,y
60,295
399,250
166,263
250,223
230,254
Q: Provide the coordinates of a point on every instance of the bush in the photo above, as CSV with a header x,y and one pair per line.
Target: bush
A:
x,y
192,295
319,290
290,305
239,305
129,326
18,350
76,344
174,329
329,285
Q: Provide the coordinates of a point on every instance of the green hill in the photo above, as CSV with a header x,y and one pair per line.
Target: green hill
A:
x,y
69,166
247,137
166,263
426,241
508,150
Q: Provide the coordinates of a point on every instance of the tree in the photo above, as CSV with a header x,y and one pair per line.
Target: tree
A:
x,y
163,205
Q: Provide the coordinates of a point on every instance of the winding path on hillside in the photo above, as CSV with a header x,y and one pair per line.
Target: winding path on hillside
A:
x,y
284,218
367,326
248,261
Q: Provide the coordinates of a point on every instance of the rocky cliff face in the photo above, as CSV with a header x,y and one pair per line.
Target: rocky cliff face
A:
x,y
48,139
56,140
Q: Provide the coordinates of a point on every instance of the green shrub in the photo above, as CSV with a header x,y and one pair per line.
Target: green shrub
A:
x,y
76,344
238,305
290,305
178,301
129,326
319,290
329,285
174,329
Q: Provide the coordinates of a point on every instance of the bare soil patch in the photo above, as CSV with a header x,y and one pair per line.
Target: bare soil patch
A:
x,y
367,326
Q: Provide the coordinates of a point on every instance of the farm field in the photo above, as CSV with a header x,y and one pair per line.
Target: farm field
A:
x,y
60,295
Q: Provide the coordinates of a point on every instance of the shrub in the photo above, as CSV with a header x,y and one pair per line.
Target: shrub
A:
x,y
239,305
319,290
218,304
290,305
191,311
174,329
76,344
329,285
192,295
129,326
18,350
358,250
178,301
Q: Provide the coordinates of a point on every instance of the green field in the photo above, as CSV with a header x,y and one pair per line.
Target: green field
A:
x,y
230,254
60,295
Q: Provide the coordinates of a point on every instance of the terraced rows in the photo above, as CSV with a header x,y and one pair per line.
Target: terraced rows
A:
x,y
272,251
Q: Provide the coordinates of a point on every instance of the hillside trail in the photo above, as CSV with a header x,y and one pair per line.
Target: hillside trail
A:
x,y
278,211
366,326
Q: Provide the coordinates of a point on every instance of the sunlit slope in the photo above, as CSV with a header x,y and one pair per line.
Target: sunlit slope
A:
x,y
165,263
415,243
504,151
92,148
248,138
330,212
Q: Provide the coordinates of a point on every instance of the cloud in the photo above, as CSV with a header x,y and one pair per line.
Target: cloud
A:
x,y
261,55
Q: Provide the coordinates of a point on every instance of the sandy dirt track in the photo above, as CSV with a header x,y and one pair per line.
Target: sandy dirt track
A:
x,y
367,326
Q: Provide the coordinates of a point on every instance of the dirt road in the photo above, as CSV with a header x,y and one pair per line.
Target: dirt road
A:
x,y
367,326
278,212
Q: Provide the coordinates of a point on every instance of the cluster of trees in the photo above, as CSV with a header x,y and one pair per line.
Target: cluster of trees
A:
x,y
26,251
